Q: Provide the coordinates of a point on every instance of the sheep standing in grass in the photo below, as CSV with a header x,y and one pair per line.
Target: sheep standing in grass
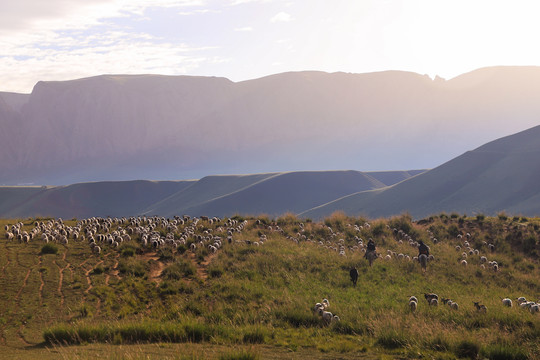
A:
x,y
327,316
413,303
507,302
480,307
431,297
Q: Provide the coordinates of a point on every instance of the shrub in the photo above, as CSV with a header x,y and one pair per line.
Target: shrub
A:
x,y
467,349
179,270
298,318
215,272
239,355
165,254
98,270
392,339
255,336
133,267
453,231
504,352
49,249
529,243
128,250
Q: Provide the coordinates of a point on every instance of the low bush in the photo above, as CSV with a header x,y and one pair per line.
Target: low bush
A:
x,y
49,249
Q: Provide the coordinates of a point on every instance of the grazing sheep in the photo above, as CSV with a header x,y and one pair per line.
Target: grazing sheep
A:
x,y
479,307
317,307
413,298
463,262
327,316
325,303
431,296
507,302
434,302
354,275
413,305
454,305
534,308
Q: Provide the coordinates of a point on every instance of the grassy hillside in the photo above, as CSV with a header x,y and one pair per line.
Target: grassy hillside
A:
x,y
498,176
220,195
290,192
253,297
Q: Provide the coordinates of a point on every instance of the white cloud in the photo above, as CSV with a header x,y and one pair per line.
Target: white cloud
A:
x,y
65,14
241,2
49,56
281,17
246,28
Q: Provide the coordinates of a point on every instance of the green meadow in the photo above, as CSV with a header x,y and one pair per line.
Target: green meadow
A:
x,y
253,298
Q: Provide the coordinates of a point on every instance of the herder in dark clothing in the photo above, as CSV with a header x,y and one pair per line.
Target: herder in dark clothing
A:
x,y
423,248
370,252
371,245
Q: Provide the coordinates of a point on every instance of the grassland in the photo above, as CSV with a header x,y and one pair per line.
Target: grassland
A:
x,y
247,301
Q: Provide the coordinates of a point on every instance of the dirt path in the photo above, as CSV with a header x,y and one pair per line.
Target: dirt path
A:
x,y
155,270
61,280
25,282
42,283
21,337
113,272
202,268
88,280
7,262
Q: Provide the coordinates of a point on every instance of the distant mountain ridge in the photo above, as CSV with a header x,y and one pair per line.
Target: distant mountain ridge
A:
x,y
123,127
225,195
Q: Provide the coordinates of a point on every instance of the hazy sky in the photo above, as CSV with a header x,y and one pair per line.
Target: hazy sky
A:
x,y
246,39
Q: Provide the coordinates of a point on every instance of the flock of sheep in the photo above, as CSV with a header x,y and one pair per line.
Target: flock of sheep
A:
x,y
433,300
158,232
99,234
326,316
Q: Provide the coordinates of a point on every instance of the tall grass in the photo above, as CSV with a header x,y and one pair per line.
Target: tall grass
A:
x,y
254,296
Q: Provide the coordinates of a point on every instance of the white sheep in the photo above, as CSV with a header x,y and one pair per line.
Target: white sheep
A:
x,y
327,316
317,307
507,302
325,303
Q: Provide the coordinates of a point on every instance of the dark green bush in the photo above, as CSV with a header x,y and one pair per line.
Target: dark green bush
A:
x,y
49,249
504,352
467,349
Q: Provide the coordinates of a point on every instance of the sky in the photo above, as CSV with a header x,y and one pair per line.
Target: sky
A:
x,y
247,39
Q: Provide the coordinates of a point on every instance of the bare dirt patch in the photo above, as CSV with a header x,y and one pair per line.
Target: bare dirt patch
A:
x,y
156,268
